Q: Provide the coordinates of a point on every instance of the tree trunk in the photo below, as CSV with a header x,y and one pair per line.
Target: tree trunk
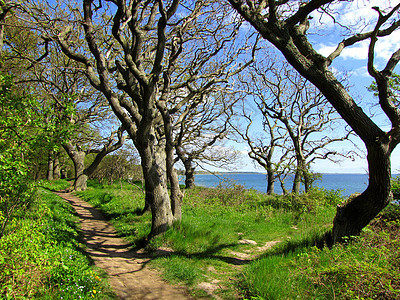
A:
x,y
57,171
189,173
296,182
306,181
64,174
176,194
352,216
80,183
270,182
153,161
50,167
78,158
154,172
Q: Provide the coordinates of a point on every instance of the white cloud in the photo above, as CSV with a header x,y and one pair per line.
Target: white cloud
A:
x,y
354,17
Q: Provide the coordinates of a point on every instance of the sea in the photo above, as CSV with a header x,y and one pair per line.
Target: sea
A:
x,y
346,183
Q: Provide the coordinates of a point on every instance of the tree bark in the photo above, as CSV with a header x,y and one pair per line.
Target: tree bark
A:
x,y
352,216
155,176
296,182
189,173
57,168
50,167
270,181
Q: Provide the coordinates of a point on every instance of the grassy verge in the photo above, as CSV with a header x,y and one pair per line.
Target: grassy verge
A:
x,y
40,255
223,232
366,267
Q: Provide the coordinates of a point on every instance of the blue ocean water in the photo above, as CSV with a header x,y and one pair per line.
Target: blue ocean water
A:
x,y
347,183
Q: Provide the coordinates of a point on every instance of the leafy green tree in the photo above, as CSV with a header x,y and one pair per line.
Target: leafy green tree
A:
x,y
20,134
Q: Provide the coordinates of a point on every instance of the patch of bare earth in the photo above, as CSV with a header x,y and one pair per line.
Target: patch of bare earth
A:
x,y
129,275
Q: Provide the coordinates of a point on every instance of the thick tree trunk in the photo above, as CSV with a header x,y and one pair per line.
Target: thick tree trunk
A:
x,y
155,175
50,167
352,216
296,182
270,182
153,161
80,183
189,173
78,158
57,168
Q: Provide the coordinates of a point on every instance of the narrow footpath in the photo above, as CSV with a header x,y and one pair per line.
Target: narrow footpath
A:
x,y
128,271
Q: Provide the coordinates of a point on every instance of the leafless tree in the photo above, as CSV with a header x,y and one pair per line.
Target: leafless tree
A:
x,y
298,118
139,55
286,25
200,133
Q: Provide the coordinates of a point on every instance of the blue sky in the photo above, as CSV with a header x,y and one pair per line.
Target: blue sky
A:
x,y
357,15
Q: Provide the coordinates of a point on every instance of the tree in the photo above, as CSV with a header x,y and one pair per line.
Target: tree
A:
x,y
148,60
286,27
199,134
121,165
21,132
298,118
75,108
262,149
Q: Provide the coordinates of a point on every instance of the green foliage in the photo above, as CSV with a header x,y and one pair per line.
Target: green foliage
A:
x,y
396,188
17,118
40,257
121,165
307,202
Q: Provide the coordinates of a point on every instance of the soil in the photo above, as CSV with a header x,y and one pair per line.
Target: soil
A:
x,y
128,271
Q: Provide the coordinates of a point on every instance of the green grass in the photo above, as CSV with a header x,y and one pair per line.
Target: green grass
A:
x,y
367,267
205,244
41,257
206,247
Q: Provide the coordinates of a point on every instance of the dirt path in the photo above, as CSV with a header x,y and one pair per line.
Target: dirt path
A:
x,y
129,275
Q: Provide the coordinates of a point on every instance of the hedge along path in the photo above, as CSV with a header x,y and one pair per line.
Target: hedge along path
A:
x,y
128,271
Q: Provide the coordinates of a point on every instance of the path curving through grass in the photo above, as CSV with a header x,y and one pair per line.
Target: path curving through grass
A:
x,y
128,271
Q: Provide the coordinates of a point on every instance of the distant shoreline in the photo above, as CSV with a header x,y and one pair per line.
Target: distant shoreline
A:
x,y
263,173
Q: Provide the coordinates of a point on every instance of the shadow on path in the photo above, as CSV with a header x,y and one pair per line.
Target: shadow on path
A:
x,y
127,269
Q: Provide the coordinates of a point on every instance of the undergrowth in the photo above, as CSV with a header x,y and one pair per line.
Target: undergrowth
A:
x,y
366,267
41,258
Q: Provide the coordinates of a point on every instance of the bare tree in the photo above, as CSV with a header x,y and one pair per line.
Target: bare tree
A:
x,y
286,25
82,114
200,134
263,147
308,123
137,54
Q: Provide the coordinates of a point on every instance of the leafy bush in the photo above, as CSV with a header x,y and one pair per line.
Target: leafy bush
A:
x,y
396,188
306,202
